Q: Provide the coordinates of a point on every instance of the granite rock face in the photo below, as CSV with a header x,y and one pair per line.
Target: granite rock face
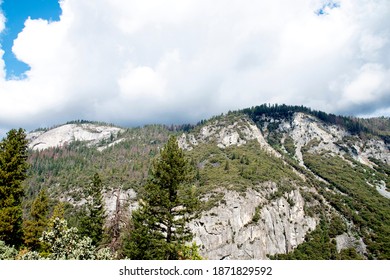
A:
x,y
247,226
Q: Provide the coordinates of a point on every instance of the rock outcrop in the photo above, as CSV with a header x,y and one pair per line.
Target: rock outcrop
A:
x,y
305,129
237,133
66,134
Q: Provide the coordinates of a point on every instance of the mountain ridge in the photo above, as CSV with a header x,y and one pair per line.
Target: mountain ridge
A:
x,y
273,180
379,126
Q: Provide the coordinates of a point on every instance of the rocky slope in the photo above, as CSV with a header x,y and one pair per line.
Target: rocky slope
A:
x,y
229,231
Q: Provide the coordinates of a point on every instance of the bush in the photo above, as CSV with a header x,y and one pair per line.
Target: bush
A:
x,y
6,252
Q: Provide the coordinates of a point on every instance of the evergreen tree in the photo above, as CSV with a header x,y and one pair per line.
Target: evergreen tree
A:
x,y
167,203
13,170
93,222
34,227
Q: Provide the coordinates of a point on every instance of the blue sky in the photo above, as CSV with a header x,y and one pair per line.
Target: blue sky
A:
x,y
16,12
134,62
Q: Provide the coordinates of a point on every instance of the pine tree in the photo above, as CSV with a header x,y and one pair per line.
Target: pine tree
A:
x,y
167,203
38,222
93,222
13,171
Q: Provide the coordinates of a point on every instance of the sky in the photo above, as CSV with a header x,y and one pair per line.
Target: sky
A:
x,y
135,62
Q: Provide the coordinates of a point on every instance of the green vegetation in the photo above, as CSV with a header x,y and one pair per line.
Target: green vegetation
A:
x,y
351,195
7,252
256,216
37,223
248,166
289,145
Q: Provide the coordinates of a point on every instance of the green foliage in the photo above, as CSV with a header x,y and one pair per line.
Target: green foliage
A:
x,y
349,254
58,212
248,166
190,252
38,222
257,215
6,252
167,203
337,226
92,224
143,242
13,170
289,145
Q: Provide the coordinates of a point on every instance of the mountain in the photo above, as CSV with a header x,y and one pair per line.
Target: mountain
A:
x,y
275,181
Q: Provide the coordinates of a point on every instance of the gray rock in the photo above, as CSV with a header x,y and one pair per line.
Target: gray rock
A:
x,y
229,231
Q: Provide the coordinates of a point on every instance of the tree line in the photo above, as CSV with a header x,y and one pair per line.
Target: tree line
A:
x,y
354,125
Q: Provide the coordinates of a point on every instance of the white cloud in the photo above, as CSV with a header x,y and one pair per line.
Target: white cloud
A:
x,y
135,61
367,89
2,27
2,21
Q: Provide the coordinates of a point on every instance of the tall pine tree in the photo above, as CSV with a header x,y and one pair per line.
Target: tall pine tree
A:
x,y
93,222
167,203
13,171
